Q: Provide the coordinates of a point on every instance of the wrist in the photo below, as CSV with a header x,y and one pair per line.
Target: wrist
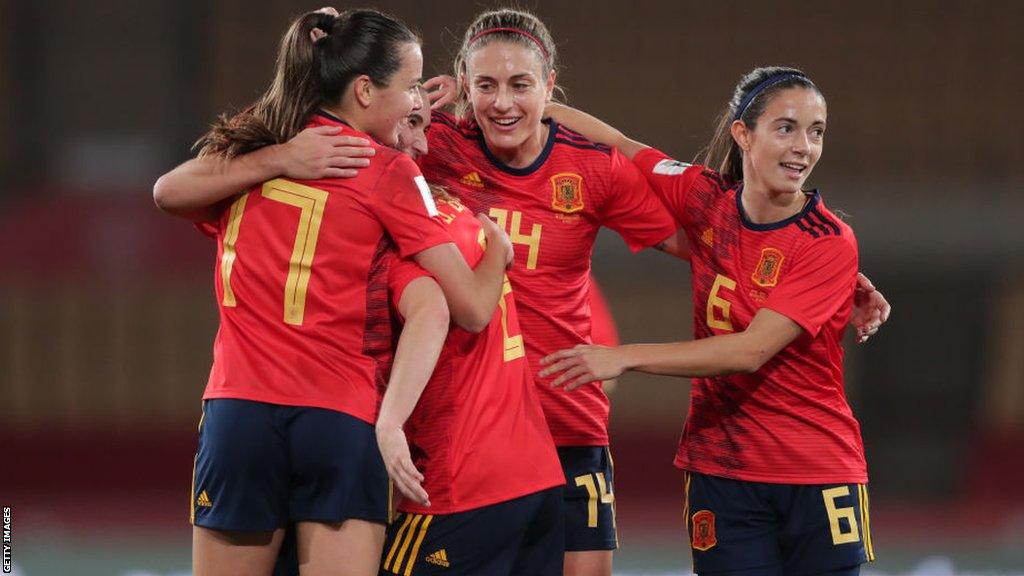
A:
x,y
388,425
628,356
269,161
496,251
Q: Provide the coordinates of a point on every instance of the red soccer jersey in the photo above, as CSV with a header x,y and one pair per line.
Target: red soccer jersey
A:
x,y
478,433
301,282
789,422
552,211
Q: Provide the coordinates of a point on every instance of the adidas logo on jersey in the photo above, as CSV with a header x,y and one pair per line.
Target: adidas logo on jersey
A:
x,y
708,237
204,500
439,558
472,179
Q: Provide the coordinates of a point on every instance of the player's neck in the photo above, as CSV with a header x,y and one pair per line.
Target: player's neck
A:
x,y
343,113
526,153
764,206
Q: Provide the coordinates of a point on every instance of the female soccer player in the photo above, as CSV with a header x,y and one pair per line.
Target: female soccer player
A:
x,y
776,476
305,331
483,482
552,190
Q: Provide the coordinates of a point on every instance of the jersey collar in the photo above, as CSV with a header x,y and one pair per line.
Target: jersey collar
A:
x,y
552,130
334,119
328,118
815,199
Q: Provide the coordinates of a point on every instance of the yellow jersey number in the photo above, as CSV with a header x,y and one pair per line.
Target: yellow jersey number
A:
x,y
514,227
596,492
310,202
718,307
512,344
835,514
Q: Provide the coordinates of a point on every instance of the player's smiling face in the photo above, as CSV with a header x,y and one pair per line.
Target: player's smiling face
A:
x,y
392,104
508,89
786,143
412,133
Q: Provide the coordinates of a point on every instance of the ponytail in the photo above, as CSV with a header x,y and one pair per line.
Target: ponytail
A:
x,y
319,57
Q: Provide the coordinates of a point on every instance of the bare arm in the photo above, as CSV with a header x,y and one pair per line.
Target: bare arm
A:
x,y
593,128
194,189
426,327
472,294
743,352
871,309
676,245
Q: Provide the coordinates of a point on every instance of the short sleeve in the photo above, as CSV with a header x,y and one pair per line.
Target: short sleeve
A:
x,y
820,282
405,207
632,208
402,273
671,179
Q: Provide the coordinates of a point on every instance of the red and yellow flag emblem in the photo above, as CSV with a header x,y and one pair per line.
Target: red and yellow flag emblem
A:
x,y
567,192
766,273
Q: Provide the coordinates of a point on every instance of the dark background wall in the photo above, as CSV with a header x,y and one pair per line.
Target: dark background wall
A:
x,y
106,314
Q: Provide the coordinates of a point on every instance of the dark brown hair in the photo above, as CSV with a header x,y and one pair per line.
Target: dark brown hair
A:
x,y
510,25
723,153
310,74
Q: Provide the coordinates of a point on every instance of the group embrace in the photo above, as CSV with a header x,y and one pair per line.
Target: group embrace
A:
x,y
403,280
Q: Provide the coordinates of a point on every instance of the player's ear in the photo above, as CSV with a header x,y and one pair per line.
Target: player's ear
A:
x,y
363,90
741,135
549,86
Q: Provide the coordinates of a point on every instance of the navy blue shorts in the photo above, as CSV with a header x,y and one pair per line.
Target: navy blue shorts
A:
x,y
589,498
523,536
766,529
262,466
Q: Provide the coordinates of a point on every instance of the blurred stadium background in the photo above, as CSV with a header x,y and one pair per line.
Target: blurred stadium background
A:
x,y
107,318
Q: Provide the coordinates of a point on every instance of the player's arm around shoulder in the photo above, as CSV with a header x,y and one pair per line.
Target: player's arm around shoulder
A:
x,y
472,293
593,128
400,197
196,188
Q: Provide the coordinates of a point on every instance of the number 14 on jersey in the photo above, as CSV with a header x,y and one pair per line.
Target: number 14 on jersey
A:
x,y
514,227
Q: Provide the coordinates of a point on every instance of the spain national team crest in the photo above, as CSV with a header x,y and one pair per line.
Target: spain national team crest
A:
x,y
703,537
766,273
567,192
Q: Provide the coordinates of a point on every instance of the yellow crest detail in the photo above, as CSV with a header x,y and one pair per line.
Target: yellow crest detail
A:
x,y
766,273
567,192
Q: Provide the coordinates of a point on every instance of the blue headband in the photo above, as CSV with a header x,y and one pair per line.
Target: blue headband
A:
x,y
766,83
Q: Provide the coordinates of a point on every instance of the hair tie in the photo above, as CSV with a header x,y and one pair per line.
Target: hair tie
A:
x,y
524,33
323,26
765,84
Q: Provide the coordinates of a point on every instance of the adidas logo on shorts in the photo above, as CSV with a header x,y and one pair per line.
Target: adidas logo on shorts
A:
x,y
439,558
204,500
